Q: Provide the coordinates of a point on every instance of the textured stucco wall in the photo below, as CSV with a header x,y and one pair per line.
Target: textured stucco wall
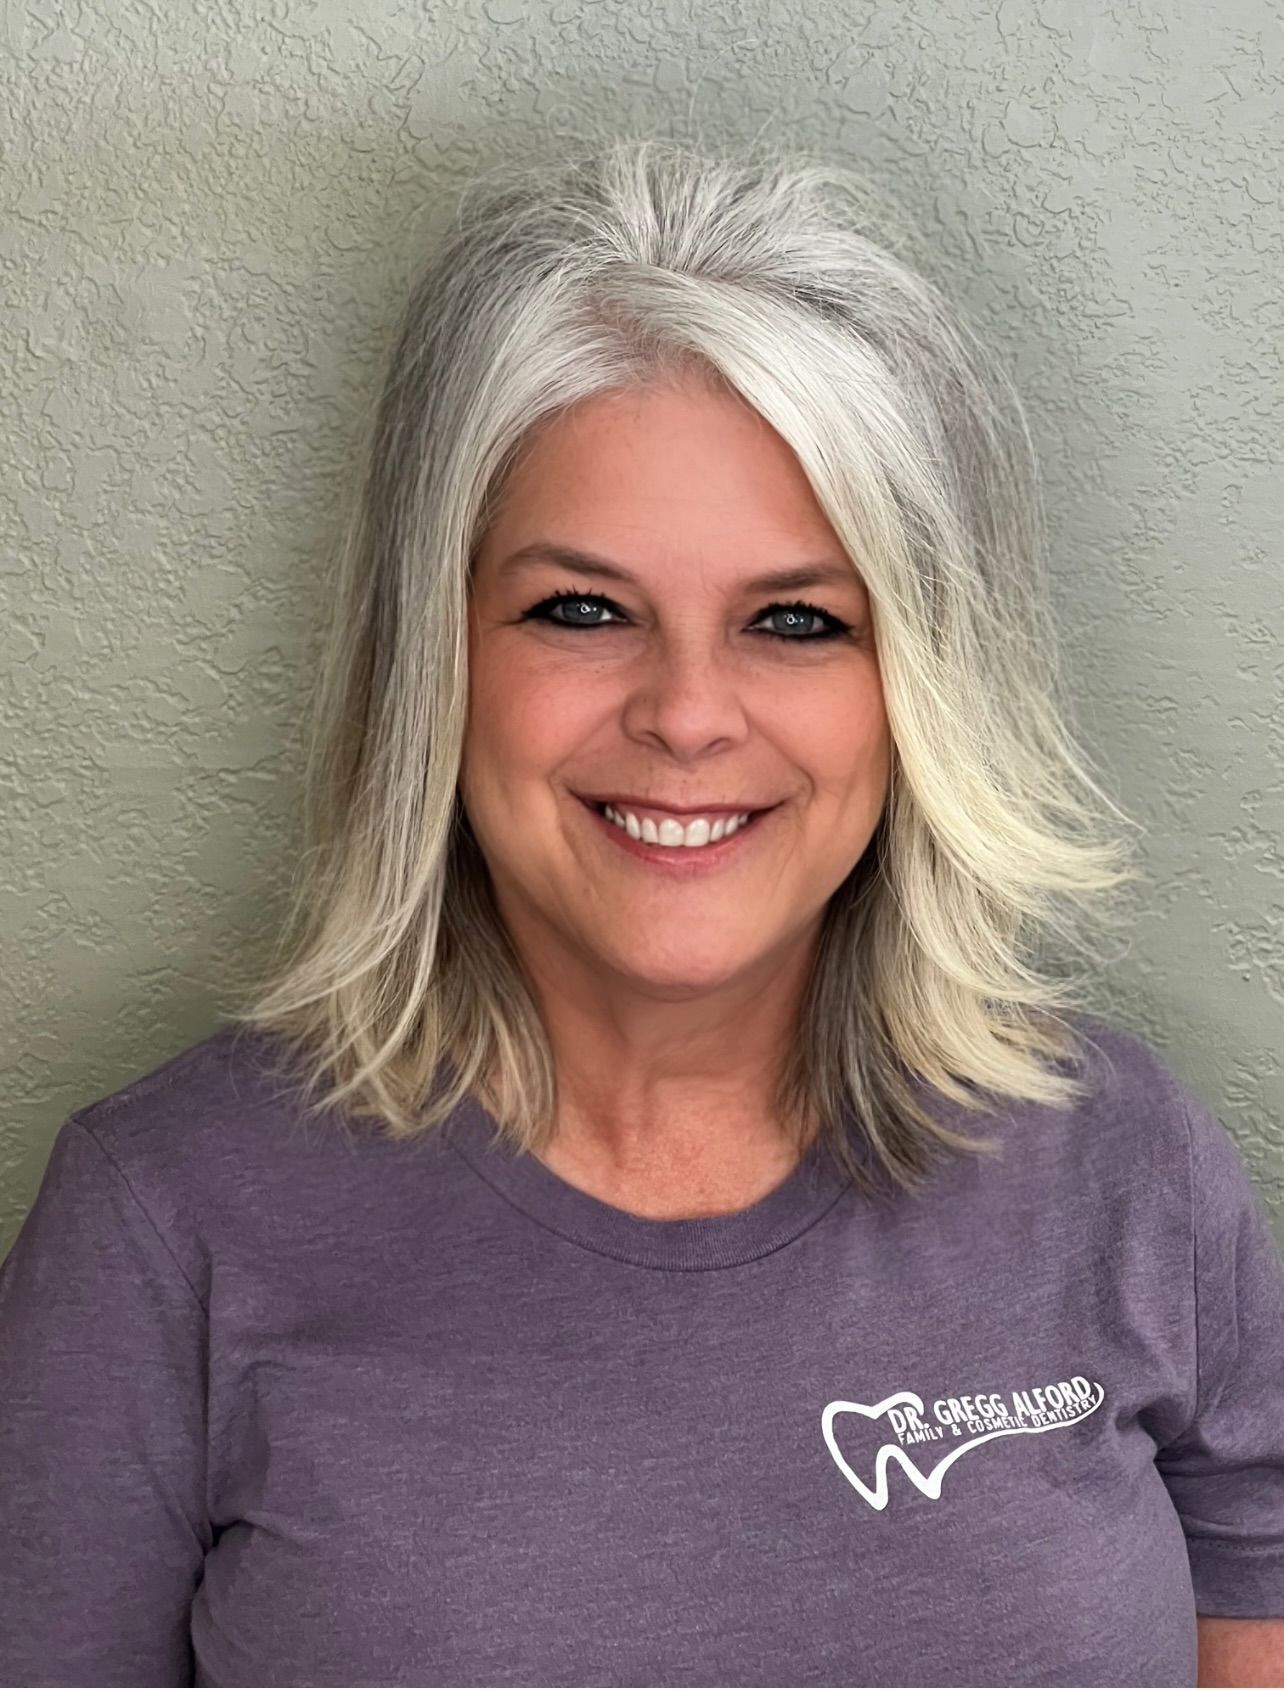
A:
x,y
209,215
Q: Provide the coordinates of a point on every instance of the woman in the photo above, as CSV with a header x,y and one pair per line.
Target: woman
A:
x,y
573,1268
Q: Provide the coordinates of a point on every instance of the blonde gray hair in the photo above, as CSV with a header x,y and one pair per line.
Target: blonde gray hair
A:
x,y
394,981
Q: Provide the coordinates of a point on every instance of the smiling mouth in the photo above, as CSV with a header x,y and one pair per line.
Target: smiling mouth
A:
x,y
714,814
679,850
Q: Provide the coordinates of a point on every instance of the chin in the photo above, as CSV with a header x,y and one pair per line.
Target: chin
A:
x,y
678,972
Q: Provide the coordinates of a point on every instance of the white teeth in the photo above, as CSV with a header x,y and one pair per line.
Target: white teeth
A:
x,y
671,832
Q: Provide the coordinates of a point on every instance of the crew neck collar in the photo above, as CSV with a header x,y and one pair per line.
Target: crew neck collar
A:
x,y
806,1193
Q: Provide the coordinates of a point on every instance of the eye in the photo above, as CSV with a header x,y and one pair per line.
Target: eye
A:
x,y
798,613
543,611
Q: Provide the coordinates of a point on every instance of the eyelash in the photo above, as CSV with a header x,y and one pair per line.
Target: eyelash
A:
x,y
835,627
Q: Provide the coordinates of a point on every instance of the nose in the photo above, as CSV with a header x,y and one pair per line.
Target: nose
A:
x,y
687,702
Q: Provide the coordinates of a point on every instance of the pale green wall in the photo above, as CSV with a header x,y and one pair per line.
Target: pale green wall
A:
x,y
209,214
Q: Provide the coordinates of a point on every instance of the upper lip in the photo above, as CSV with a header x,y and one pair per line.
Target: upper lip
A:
x,y
623,800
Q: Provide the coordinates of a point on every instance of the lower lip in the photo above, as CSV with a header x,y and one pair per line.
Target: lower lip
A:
x,y
682,859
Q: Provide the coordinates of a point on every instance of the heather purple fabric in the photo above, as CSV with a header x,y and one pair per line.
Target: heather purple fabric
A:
x,y
284,1404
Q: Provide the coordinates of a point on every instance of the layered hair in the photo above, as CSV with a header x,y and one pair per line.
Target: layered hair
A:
x,y
394,987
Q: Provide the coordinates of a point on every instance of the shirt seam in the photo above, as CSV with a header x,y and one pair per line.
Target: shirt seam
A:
x,y
1229,1546
76,1121
1194,1264
161,1078
631,1261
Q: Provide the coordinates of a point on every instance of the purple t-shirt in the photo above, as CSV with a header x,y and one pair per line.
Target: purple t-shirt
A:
x,y
285,1403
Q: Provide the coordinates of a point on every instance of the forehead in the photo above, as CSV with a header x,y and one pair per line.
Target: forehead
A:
x,y
686,473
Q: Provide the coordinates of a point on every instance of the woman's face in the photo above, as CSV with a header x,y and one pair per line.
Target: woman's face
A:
x,y
657,684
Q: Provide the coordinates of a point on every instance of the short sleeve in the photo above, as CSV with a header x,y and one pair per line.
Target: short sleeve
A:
x,y
102,1435
1225,1471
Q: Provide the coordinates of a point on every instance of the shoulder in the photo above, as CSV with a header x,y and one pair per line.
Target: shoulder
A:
x,y
1131,1089
1123,1143
223,1148
230,1086
1141,1142
216,1139
1126,1096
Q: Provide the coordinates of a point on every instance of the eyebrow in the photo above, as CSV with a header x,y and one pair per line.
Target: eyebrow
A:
x,y
826,573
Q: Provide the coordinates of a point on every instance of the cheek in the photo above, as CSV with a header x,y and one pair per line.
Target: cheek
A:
x,y
526,716
840,734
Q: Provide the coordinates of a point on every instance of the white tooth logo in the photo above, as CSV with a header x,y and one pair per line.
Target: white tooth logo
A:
x,y
930,1485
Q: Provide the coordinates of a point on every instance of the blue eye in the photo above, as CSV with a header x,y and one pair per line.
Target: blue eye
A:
x,y
833,626
799,611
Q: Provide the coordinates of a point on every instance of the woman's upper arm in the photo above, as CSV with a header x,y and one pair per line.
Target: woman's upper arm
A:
x,y
103,1363
1225,1469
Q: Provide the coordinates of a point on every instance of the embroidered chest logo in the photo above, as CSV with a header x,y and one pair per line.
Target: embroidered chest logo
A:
x,y
957,1424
